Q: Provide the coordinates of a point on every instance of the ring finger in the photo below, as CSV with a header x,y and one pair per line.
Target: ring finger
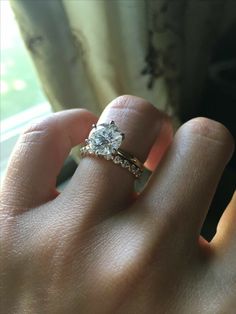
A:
x,y
99,186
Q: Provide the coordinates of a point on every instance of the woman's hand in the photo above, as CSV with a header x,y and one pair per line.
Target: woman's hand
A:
x,y
99,248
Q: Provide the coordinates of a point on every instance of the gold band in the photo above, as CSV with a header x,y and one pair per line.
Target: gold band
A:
x,y
121,158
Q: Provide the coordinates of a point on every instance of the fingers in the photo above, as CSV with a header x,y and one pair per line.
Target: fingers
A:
x,y
161,144
99,186
225,237
224,246
179,193
39,156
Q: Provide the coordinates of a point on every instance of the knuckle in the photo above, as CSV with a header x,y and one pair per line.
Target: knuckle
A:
x,y
43,125
40,130
210,129
124,99
133,104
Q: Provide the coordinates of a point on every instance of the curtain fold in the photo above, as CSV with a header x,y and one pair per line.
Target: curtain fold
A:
x,y
88,52
55,52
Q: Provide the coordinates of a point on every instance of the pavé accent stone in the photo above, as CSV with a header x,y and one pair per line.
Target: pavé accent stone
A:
x,y
134,169
125,164
117,160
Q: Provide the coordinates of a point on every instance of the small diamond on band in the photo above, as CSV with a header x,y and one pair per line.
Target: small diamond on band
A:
x,y
117,160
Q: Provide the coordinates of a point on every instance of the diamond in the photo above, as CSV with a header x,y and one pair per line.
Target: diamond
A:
x,y
134,169
108,157
125,164
117,160
105,139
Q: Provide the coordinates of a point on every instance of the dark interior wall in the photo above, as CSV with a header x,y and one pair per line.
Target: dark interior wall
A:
x,y
218,102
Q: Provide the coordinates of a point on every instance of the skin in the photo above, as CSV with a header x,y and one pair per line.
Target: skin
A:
x,y
97,247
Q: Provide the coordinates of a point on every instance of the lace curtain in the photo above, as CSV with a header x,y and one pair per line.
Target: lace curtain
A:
x,y
88,52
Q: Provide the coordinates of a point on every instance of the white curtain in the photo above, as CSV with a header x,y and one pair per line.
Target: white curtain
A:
x,y
87,52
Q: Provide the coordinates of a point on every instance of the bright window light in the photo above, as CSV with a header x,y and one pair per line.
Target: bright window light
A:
x,y
22,99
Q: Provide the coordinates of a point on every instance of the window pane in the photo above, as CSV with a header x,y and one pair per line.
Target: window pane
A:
x,y
21,96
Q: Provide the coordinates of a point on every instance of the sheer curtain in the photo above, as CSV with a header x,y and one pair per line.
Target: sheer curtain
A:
x,y
88,52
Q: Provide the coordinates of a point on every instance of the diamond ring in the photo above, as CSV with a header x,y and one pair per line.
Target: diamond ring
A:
x,y
104,140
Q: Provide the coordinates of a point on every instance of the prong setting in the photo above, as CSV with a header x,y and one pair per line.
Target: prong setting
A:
x,y
105,140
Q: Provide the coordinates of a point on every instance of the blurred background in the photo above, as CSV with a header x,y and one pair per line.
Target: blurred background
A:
x,y
179,55
22,98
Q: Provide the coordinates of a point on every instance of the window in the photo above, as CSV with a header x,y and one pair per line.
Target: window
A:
x,y
22,99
